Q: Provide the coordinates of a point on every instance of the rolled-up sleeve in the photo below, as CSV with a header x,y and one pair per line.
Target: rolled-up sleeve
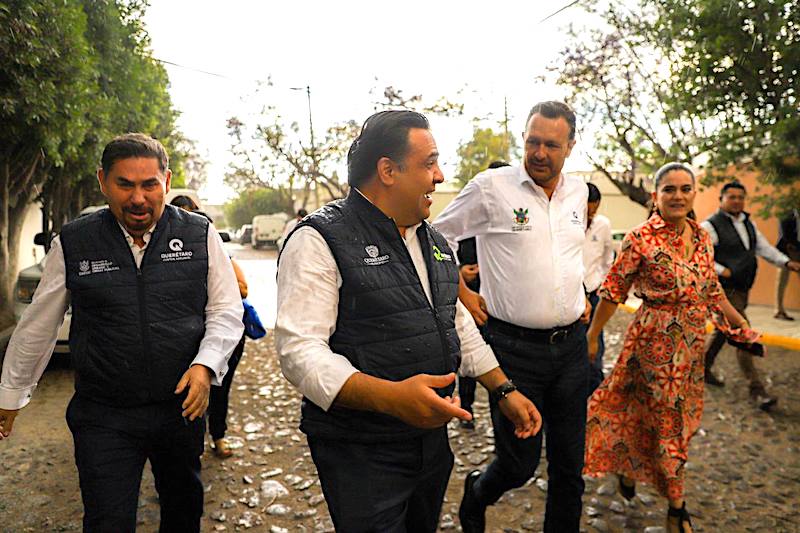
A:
x,y
224,311
308,301
477,358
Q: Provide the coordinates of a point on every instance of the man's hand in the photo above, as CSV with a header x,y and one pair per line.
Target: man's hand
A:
x,y
475,304
794,266
587,312
414,401
593,344
469,272
726,273
521,411
198,379
7,422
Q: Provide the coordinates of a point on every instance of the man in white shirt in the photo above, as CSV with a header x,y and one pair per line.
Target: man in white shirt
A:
x,y
598,255
737,242
530,222
370,331
155,315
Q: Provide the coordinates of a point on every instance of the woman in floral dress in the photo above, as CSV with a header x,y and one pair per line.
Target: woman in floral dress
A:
x,y
642,417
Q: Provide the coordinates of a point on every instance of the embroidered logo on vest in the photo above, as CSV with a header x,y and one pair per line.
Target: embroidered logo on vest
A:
x,y
441,256
176,245
87,267
374,259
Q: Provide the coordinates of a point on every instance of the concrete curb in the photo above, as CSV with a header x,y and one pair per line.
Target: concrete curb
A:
x,y
769,339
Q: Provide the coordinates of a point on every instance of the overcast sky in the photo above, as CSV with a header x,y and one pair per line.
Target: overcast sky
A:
x,y
488,50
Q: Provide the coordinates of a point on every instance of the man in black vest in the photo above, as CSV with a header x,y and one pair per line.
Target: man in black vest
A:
x,y
155,315
370,331
737,242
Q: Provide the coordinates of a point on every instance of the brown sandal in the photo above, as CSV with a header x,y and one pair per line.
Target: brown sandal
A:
x,y
682,515
221,449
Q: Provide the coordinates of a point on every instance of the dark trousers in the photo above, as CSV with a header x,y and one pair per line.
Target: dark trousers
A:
x,y
466,391
218,398
391,487
738,299
595,367
111,447
554,377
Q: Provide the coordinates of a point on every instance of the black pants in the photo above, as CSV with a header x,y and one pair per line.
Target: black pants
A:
x,y
466,391
392,487
555,378
111,447
218,398
596,367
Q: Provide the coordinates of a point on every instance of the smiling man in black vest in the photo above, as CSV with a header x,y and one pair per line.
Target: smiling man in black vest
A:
x,y
370,331
155,315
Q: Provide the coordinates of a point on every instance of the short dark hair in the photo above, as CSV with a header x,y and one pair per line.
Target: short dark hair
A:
x,y
384,134
553,109
133,145
498,164
594,192
731,185
302,213
184,202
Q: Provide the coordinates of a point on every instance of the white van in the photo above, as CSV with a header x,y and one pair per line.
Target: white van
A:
x,y
267,229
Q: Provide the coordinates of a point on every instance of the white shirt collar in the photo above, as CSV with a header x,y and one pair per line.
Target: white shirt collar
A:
x,y
524,177
129,238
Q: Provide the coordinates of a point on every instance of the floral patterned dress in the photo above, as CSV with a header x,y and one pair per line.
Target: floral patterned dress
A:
x,y
640,420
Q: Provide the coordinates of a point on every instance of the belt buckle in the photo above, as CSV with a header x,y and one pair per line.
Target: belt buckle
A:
x,y
557,336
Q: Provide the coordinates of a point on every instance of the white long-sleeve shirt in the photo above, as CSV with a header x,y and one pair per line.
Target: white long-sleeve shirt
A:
x,y
34,338
598,253
308,301
530,247
763,247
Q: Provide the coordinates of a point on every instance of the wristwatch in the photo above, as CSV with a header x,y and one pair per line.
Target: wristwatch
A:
x,y
503,390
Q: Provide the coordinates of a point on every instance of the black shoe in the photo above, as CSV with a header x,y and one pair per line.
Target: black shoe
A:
x,y
711,379
466,424
764,401
471,513
627,491
682,515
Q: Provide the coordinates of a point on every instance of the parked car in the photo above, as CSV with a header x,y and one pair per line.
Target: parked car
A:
x,y
245,233
267,229
616,236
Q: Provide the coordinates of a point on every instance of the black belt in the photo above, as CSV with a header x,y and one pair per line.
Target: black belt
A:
x,y
555,335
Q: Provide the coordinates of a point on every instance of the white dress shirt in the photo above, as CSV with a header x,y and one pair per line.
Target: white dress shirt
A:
x,y
34,338
763,247
598,253
530,248
308,305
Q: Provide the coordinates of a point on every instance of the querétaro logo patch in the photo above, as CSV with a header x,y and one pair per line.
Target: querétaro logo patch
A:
x,y
177,254
375,258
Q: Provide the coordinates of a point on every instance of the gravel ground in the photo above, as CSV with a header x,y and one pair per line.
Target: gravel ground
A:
x,y
743,474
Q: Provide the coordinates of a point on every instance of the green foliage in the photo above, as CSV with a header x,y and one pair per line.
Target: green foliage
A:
x,y
251,203
72,75
484,147
735,65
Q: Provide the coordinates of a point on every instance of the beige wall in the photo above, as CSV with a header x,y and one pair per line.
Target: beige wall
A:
x,y
763,292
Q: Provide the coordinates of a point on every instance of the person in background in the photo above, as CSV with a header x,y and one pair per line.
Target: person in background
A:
x,y
598,254
219,396
789,244
737,242
470,273
644,414
290,225
155,317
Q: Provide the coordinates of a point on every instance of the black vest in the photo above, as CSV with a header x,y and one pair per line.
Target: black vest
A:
x,y
134,332
386,326
730,251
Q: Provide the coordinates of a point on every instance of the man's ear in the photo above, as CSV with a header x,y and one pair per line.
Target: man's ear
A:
x,y
101,180
168,180
386,169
